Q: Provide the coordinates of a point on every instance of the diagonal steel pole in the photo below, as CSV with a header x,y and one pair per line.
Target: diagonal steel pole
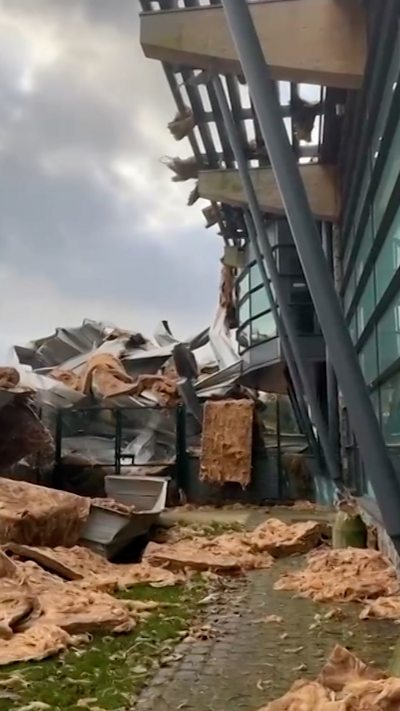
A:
x,y
283,317
377,462
287,351
331,382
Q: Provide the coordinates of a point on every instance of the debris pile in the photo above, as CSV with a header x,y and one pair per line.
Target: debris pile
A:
x,y
348,574
281,539
91,570
91,372
39,516
224,554
233,552
344,684
49,595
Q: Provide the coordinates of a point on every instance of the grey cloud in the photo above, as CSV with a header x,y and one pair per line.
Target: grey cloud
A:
x,y
66,216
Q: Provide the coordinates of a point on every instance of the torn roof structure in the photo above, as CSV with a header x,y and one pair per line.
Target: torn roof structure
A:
x,y
192,40
351,50
94,370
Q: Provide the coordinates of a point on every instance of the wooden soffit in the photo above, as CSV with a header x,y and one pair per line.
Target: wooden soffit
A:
x,y
312,41
320,182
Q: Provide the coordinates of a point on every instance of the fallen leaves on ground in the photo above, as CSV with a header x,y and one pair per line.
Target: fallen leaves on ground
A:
x,y
272,618
344,684
348,574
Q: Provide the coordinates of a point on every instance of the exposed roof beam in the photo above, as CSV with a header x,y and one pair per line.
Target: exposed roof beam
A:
x,y
313,41
320,182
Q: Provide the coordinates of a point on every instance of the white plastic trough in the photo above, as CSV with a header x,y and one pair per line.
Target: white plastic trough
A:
x,y
109,532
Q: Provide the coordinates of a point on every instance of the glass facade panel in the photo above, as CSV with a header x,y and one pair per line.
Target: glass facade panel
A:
x,y
353,329
366,304
389,258
348,248
255,276
244,311
362,194
390,409
389,336
388,180
369,359
262,328
244,284
243,338
364,250
259,302
386,101
349,292
377,252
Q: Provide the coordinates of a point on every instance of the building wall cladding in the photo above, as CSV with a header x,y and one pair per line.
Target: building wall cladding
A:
x,y
370,233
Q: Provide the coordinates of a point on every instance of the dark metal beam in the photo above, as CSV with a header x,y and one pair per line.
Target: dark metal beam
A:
x,y
377,462
331,382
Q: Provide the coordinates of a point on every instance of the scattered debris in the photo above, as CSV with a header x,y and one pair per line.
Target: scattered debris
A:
x,y
194,195
235,552
203,633
272,618
384,608
182,123
281,539
222,554
350,574
36,643
344,684
23,435
35,515
184,168
210,213
227,441
91,570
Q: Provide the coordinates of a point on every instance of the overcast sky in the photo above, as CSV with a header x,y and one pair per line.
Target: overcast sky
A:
x,y
90,223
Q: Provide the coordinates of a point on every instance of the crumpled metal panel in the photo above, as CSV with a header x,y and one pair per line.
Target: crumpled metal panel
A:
x,y
149,433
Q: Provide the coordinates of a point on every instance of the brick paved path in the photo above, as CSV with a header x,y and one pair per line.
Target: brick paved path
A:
x,y
248,661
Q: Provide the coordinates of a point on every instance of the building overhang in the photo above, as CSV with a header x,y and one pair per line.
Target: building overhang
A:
x,y
320,182
312,41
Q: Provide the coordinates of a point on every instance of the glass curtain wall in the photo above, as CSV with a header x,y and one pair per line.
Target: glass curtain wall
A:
x,y
257,323
371,256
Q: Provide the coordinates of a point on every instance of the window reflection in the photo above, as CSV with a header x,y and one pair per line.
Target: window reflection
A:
x,y
263,328
389,336
367,304
255,276
353,329
369,359
389,257
390,409
386,100
364,250
243,338
259,301
244,311
244,285
388,179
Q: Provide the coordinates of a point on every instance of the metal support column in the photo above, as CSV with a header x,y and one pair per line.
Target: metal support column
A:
x,y
286,349
372,447
331,382
287,332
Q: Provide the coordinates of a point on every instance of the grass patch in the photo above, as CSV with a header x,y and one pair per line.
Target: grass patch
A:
x,y
112,670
